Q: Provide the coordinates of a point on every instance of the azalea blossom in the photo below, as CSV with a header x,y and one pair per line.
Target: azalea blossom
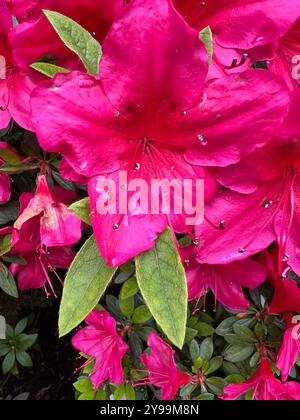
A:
x,y
264,385
58,225
27,243
161,368
226,281
161,124
290,348
101,342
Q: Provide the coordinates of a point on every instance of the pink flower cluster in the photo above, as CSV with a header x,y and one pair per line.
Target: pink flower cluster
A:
x,y
160,109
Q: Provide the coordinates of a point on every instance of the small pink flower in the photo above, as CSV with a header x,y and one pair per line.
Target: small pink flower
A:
x,y
264,385
58,225
226,281
161,367
101,341
290,348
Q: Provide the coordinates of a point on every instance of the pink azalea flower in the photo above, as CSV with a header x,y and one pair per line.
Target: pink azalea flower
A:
x,y
290,348
58,225
161,368
262,204
264,385
226,281
39,258
265,20
153,124
101,341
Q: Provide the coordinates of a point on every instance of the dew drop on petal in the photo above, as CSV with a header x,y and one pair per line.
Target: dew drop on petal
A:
x,y
187,262
242,250
196,241
116,226
83,165
201,139
137,166
267,203
285,257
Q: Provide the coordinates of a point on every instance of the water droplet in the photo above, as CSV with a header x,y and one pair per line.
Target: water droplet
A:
x,y
267,203
222,224
123,186
137,166
94,33
285,258
185,112
187,262
259,39
202,3
242,250
172,168
83,165
117,114
116,226
196,241
201,139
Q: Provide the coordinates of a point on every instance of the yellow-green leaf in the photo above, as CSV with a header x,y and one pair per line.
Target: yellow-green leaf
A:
x,y
162,281
84,285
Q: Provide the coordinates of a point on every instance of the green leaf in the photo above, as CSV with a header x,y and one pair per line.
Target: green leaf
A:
x,y
7,282
187,390
48,69
130,288
236,354
84,285
141,315
8,362
194,350
226,326
23,358
206,349
127,306
10,157
129,392
5,244
119,392
207,37
214,365
216,385
82,209
190,333
204,330
21,325
77,39
162,281
205,397
244,334
25,341
235,379
83,385
4,348
8,212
